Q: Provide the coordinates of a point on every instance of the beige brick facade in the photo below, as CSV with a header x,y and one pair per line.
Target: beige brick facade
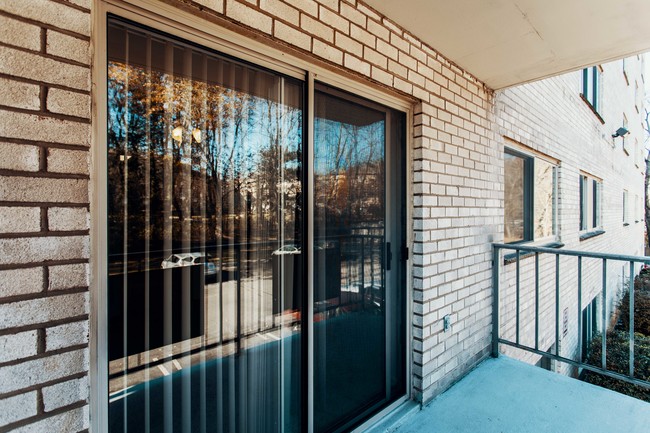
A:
x,y
45,87
455,171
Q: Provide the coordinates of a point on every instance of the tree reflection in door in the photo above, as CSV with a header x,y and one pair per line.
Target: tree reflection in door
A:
x,y
204,195
207,246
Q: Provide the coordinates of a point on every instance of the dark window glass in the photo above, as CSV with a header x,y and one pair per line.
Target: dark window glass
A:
x,y
207,246
590,78
204,195
595,203
359,346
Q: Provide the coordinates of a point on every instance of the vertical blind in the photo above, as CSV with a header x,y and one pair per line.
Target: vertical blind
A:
x,y
207,246
205,234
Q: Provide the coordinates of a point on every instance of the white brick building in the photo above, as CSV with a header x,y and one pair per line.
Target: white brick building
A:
x,y
111,113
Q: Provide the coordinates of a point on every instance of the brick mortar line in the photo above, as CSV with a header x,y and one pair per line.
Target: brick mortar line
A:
x,y
43,174
71,5
43,416
43,113
44,384
43,263
45,234
47,56
45,353
42,204
312,36
42,83
11,331
46,25
44,294
44,144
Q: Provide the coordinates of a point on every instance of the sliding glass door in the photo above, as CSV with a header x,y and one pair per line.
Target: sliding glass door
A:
x,y
358,296
207,245
205,238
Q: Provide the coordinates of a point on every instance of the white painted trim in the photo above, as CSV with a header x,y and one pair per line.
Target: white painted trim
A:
x,y
98,228
310,257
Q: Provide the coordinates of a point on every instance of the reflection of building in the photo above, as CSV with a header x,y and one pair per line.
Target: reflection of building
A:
x,y
401,287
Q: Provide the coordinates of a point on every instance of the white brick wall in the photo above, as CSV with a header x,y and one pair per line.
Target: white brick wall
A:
x,y
549,116
456,173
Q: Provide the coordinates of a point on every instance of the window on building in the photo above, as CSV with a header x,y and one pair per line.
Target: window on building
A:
x,y
590,86
530,197
589,325
590,202
626,204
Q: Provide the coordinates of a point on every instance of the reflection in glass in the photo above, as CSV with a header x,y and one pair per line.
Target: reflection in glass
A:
x,y
544,199
205,239
354,360
514,198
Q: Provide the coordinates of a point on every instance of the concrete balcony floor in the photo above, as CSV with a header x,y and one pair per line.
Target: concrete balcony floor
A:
x,y
503,395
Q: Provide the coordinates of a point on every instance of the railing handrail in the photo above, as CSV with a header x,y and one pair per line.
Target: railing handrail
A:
x,y
537,250
562,251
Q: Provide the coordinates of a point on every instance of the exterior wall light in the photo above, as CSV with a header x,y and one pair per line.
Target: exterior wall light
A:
x,y
620,132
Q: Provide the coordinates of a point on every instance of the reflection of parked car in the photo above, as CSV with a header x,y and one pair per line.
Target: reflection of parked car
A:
x,y
286,249
189,259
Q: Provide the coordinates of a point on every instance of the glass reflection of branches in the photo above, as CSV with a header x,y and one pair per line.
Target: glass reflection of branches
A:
x,y
204,188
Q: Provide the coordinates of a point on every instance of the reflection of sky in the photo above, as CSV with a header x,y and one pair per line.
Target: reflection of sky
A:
x,y
340,146
240,127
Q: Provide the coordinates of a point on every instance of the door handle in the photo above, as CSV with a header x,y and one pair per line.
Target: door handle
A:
x,y
389,256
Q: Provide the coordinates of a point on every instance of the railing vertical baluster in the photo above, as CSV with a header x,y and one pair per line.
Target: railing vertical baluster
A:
x,y
580,307
632,319
495,306
557,304
518,286
603,337
584,323
536,301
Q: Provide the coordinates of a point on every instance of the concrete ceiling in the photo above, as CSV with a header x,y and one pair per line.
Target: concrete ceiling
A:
x,y
509,42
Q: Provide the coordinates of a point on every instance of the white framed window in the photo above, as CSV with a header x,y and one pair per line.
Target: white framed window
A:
x,y
530,186
590,203
626,205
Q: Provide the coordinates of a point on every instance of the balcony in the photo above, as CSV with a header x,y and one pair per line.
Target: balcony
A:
x,y
551,307
504,395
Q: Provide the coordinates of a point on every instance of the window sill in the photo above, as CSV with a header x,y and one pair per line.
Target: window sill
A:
x,y
626,224
591,107
512,257
591,234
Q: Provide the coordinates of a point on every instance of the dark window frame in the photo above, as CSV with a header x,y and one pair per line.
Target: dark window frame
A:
x,y
590,88
529,196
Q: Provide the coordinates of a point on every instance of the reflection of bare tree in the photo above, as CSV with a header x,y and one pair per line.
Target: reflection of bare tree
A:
x,y
350,173
220,143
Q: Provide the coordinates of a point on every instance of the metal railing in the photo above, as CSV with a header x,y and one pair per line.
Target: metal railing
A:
x,y
521,252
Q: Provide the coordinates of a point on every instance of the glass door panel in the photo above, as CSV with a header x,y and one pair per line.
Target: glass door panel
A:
x,y
207,252
205,240
355,298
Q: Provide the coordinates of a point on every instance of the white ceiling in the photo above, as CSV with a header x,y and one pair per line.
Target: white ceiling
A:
x,y
509,42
